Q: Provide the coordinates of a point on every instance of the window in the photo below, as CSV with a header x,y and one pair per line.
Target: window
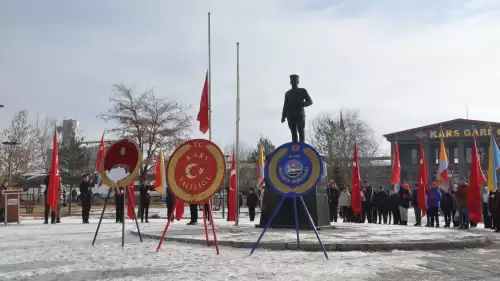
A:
x,y
414,156
414,176
436,155
468,156
455,155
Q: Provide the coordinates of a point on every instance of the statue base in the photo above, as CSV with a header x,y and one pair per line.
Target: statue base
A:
x,y
316,202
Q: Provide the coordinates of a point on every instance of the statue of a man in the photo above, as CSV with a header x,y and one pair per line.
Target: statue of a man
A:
x,y
293,110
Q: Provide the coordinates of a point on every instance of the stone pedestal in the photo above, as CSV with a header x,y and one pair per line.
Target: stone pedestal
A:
x,y
316,202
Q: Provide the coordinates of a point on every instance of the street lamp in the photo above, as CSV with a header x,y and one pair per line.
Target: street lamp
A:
x,y
10,144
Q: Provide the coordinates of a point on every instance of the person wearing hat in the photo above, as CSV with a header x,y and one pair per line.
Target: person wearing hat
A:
x,y
447,205
461,197
293,109
433,204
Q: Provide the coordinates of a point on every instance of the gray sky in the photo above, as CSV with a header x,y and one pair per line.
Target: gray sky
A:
x,y
400,63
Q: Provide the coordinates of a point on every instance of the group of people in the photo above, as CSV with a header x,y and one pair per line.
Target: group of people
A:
x,y
381,205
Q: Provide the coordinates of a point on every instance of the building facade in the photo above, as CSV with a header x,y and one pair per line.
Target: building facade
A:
x,y
457,135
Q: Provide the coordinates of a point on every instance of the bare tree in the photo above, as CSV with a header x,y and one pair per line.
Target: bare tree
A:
x,y
152,122
42,133
19,156
326,135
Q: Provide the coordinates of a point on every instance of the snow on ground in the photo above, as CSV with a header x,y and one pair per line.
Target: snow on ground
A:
x,y
33,251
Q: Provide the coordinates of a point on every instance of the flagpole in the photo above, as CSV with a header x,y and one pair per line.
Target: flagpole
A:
x,y
209,83
237,152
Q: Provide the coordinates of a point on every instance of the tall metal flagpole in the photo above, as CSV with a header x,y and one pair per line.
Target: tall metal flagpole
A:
x,y
237,148
209,83
209,89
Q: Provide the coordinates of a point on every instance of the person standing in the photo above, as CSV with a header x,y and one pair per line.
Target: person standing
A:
x,y
461,197
394,203
170,200
86,197
61,202
333,200
447,207
193,210
48,208
454,216
381,202
145,197
496,210
345,205
119,203
367,203
487,219
416,207
404,203
252,201
434,201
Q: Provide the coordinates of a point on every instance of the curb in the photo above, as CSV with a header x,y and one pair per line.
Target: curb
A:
x,y
342,247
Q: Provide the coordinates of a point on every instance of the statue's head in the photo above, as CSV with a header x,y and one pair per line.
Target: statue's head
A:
x,y
294,80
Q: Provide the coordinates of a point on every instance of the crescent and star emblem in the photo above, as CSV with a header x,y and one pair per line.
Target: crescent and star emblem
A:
x,y
189,167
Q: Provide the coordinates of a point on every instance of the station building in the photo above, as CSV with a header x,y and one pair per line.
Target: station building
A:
x,y
457,134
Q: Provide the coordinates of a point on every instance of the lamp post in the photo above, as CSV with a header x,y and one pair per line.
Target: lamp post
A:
x,y
10,144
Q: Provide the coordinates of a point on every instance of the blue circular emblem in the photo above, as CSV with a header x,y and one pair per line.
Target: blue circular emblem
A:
x,y
294,169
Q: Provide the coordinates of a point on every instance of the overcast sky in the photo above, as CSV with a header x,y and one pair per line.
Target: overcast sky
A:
x,y
400,63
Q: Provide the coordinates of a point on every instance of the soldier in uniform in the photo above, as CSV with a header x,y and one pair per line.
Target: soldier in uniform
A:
x,y
86,197
145,197
119,203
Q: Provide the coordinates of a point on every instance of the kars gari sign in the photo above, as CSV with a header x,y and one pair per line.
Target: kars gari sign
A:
x,y
196,170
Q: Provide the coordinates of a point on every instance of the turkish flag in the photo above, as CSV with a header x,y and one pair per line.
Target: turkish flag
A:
x,y
203,114
179,209
476,179
356,184
423,179
131,203
54,180
231,213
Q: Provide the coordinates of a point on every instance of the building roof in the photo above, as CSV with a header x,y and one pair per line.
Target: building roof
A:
x,y
449,122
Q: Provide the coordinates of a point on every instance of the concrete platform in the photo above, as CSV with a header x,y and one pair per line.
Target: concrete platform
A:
x,y
344,237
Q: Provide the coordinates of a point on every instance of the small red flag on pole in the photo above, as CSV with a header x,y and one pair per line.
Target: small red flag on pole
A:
x,y
54,180
231,214
131,195
203,114
423,180
476,179
356,184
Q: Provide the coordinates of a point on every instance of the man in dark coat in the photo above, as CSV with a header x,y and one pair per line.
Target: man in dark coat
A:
x,y
170,200
416,207
86,197
47,210
333,200
394,202
381,202
293,109
447,207
252,201
404,203
367,203
119,203
145,197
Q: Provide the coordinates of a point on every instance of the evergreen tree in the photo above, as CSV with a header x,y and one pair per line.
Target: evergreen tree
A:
x,y
267,146
72,159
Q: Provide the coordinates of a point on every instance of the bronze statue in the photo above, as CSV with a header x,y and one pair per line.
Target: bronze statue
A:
x,y
293,109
